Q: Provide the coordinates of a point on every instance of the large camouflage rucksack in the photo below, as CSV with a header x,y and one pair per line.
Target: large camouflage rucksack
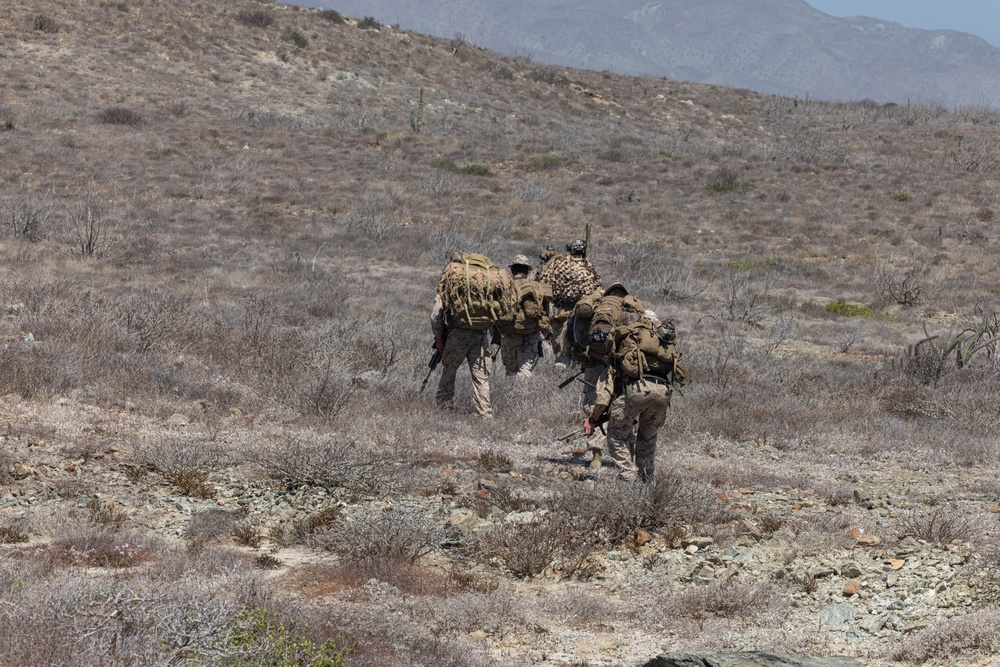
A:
x,y
532,309
570,279
594,320
642,350
476,294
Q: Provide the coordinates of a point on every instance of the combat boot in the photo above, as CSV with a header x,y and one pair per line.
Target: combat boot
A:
x,y
595,463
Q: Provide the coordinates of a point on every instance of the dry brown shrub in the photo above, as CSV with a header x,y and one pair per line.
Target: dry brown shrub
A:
x,y
393,533
103,548
967,636
940,527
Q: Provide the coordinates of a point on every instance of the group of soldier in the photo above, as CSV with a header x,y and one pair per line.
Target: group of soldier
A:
x,y
556,307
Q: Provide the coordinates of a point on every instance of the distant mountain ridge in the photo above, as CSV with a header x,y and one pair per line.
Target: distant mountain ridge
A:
x,y
774,46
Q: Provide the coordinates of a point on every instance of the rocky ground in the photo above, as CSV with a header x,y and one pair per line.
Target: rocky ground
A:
x,y
849,586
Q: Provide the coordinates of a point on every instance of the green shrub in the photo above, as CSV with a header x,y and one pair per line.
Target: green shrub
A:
x,y
12,535
726,180
845,309
470,170
257,637
369,23
901,196
332,16
119,116
543,163
7,125
46,24
255,18
295,37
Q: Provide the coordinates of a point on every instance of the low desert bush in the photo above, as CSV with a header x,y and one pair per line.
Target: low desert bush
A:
x,y
119,116
726,179
616,510
527,549
543,163
953,640
187,463
102,548
257,636
369,23
939,527
332,16
45,23
212,525
105,512
498,613
292,35
255,18
732,599
470,170
329,463
394,533
848,309
11,533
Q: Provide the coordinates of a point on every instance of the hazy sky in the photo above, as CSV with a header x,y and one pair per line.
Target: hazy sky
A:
x,y
979,17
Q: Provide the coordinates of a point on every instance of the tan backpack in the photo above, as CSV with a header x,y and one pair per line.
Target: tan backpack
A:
x,y
476,293
532,311
642,351
595,318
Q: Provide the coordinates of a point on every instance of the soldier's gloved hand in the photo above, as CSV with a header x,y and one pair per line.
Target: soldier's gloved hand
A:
x,y
588,428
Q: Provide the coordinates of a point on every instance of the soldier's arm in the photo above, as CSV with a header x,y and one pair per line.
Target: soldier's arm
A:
x,y
605,394
437,323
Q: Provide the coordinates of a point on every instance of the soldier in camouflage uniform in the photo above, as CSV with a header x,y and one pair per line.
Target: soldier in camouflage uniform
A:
x,y
636,417
571,277
474,297
461,345
521,340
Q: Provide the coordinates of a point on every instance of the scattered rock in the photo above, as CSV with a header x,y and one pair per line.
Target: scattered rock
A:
x,y
748,659
836,614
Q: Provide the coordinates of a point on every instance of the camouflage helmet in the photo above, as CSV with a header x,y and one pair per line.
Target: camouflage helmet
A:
x,y
616,286
520,261
577,248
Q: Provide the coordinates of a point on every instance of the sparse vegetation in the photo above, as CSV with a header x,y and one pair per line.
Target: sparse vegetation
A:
x,y
213,330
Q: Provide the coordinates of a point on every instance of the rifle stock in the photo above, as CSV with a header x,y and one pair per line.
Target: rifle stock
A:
x,y
577,432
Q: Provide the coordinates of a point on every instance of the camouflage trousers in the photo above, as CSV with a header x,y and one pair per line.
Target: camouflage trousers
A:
x,y
591,375
557,324
520,353
634,452
472,348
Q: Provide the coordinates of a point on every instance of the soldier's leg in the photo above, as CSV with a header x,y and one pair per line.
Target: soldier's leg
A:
x,y
452,357
556,324
510,345
597,441
620,438
527,354
480,365
652,404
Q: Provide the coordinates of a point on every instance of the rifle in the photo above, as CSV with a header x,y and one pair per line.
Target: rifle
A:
x,y
601,421
433,363
565,383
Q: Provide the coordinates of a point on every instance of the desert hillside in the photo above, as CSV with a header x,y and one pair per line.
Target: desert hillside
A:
x,y
223,227
782,47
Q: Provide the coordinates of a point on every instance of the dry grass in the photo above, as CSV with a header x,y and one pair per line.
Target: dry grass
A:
x,y
225,262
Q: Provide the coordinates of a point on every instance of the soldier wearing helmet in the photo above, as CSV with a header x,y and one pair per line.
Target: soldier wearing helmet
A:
x,y
571,277
521,340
